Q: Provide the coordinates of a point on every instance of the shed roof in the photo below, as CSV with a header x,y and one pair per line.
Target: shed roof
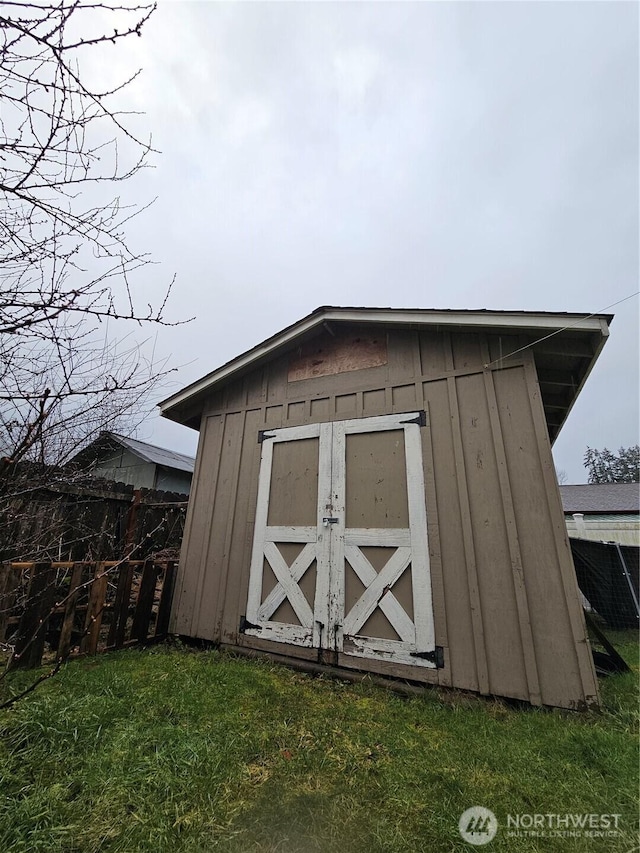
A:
x,y
601,498
566,348
147,452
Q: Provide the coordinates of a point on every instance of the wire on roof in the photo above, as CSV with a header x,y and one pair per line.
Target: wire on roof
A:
x,y
558,331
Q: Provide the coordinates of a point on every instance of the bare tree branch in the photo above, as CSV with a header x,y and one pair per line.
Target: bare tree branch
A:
x,y
65,266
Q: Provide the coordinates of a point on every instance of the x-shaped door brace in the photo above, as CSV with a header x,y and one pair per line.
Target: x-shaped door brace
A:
x,y
378,593
288,578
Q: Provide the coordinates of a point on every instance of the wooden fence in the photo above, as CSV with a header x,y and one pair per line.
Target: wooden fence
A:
x,y
88,519
53,610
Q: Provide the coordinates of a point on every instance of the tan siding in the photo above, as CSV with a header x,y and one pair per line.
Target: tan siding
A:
x,y
234,593
274,416
209,605
320,410
373,402
435,548
466,350
404,398
451,538
341,383
499,612
236,397
345,405
478,647
541,531
432,354
515,552
501,347
295,412
401,356
277,379
255,387
193,559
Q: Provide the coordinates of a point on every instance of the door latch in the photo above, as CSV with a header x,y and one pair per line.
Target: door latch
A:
x,y
327,521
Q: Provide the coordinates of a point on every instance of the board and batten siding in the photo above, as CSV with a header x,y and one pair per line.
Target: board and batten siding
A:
x,y
505,599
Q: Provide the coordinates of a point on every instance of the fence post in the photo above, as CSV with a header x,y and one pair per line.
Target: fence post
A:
x,y
120,612
9,580
97,596
132,520
164,608
32,629
64,643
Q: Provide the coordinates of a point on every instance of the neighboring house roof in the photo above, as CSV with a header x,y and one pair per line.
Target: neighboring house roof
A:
x,y
563,364
601,498
159,455
147,452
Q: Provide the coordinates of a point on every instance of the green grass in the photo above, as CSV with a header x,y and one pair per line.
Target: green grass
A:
x,y
174,750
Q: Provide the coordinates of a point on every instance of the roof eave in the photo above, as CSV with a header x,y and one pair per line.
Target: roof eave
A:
x,y
604,331
542,321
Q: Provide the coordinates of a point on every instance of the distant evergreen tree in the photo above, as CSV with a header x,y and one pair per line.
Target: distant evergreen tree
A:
x,y
607,467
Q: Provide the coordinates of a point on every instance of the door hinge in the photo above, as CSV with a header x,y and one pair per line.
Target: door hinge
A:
x,y
420,419
263,433
245,625
436,656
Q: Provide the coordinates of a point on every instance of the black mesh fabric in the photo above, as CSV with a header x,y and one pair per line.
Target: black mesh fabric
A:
x,y
608,578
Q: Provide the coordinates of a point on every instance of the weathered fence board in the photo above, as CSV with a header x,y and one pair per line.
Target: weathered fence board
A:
x,y
123,593
33,624
82,608
145,601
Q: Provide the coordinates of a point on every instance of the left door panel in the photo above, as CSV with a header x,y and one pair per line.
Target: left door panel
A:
x,y
289,576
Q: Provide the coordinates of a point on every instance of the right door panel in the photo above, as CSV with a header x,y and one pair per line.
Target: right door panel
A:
x,y
379,554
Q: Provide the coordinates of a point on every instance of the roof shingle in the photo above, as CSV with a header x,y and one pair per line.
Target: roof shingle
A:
x,y
601,498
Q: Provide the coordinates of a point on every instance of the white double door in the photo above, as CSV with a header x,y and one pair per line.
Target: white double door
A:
x,y
340,557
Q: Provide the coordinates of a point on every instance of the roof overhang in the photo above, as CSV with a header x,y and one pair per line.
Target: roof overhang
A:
x,y
567,347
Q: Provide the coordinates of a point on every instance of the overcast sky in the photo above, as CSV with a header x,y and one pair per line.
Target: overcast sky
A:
x,y
436,155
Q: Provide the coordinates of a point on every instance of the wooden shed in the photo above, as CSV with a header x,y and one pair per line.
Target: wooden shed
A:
x,y
374,490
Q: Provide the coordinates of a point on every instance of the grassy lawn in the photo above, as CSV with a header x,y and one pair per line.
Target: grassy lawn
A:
x,y
176,750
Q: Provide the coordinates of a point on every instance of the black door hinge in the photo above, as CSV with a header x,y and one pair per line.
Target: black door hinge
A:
x,y
420,419
263,433
245,625
436,656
